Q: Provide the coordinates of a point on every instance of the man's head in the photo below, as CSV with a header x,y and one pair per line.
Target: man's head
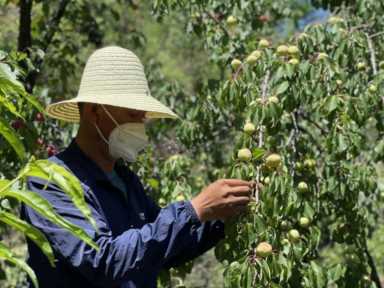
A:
x,y
95,116
114,81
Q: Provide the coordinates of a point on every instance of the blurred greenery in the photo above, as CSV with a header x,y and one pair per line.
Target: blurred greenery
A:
x,y
176,63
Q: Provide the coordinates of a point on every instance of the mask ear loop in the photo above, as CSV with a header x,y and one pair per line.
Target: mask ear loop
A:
x,y
98,129
101,134
110,116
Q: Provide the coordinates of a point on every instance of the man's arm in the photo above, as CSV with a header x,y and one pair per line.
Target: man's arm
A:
x,y
131,254
208,234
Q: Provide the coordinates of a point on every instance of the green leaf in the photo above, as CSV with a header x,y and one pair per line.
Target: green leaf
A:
x,y
8,79
10,106
331,103
43,207
282,88
12,138
10,84
257,153
34,234
65,180
6,254
33,101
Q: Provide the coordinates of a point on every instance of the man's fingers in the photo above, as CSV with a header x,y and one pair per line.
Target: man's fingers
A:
x,y
237,182
239,201
240,191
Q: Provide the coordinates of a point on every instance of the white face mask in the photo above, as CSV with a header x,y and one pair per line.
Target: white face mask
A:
x,y
126,140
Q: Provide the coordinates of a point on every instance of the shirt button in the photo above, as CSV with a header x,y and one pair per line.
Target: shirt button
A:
x,y
131,226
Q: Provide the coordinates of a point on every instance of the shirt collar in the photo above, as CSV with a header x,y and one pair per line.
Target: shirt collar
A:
x,y
84,167
75,157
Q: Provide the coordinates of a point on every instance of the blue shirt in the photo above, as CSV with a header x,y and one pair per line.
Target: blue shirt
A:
x,y
116,180
136,237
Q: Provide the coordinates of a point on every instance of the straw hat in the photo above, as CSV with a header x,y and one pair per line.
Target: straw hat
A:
x,y
112,76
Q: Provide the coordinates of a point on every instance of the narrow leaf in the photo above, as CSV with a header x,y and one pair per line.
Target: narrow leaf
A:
x,y
34,234
6,254
43,207
65,180
12,138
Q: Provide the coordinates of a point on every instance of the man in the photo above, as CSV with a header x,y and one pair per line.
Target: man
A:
x,y
136,238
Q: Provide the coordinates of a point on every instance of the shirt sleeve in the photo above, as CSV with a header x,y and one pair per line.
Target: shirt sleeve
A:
x,y
134,253
208,234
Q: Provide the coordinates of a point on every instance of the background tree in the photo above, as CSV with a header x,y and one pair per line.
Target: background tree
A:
x,y
315,103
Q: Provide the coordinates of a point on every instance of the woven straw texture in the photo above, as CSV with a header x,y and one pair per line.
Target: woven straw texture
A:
x,y
112,76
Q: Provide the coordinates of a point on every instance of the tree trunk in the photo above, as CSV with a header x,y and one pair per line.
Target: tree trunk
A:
x,y
25,38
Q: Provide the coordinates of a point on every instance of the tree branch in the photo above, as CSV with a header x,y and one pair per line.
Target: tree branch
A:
x,y
264,91
52,27
376,34
213,17
372,53
24,38
53,24
374,274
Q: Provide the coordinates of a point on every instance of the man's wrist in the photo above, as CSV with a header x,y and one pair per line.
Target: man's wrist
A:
x,y
198,210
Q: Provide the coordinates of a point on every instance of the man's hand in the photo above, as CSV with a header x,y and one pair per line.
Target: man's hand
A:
x,y
222,199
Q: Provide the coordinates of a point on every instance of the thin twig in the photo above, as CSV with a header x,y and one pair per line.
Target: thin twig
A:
x,y
264,91
362,26
374,273
217,21
377,34
372,52
294,136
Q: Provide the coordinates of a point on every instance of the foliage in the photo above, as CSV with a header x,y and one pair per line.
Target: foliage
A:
x,y
15,100
317,104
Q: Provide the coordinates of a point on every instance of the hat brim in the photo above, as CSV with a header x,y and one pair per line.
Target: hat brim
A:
x,y
68,110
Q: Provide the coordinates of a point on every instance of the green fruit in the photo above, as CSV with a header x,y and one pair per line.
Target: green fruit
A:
x,y
309,163
249,128
293,235
361,66
162,202
180,197
235,265
302,187
298,166
231,20
282,50
273,100
284,224
267,180
304,222
236,63
251,59
294,61
372,88
264,249
252,207
322,56
339,82
381,65
273,161
293,50
285,241
335,20
302,36
264,43
244,154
